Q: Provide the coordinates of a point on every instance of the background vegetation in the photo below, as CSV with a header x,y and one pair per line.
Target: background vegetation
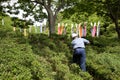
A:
x,y
40,57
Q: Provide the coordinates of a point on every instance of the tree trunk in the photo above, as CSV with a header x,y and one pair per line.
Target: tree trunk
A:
x,y
25,32
52,14
51,21
117,28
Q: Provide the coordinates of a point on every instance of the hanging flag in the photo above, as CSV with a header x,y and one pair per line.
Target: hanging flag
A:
x,y
72,30
20,29
14,28
25,32
77,29
85,30
35,29
59,30
98,29
40,28
44,27
64,31
3,22
91,29
30,29
80,30
94,30
62,28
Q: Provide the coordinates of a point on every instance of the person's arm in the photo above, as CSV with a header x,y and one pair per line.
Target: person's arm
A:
x,y
86,41
72,43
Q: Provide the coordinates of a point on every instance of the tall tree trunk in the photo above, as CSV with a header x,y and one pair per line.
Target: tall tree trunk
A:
x,y
114,14
51,21
117,28
52,14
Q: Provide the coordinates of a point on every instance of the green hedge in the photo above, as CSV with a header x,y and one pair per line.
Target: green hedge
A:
x,y
36,58
103,60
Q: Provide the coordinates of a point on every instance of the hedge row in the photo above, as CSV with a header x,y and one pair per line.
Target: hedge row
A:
x,y
36,58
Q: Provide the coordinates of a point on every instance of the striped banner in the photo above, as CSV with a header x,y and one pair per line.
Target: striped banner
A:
x,y
64,31
80,30
72,28
98,29
41,29
85,30
59,29
3,22
94,30
62,28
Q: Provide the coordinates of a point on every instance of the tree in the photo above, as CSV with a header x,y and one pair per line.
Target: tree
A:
x,y
108,9
2,13
83,7
52,7
1,7
111,9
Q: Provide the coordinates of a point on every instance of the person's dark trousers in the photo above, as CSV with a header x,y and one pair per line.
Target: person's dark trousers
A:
x,y
79,57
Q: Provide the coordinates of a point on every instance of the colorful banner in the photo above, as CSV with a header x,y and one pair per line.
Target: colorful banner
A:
x,y
94,30
64,31
80,30
91,28
41,29
77,29
62,28
85,30
20,30
72,29
30,29
98,29
3,22
59,29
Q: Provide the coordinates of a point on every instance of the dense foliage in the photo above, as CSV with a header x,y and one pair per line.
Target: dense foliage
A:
x,y
40,57
103,58
37,57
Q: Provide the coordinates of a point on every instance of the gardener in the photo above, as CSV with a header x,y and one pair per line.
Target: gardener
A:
x,y
79,55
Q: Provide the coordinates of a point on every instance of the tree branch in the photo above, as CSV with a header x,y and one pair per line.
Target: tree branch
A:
x,y
34,6
38,2
49,3
118,11
111,13
47,6
43,3
60,6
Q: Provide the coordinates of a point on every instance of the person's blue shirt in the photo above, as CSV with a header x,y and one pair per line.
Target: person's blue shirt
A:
x,y
79,42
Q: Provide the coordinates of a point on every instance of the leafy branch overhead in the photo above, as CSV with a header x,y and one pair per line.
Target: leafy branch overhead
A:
x,y
46,9
20,23
41,9
72,9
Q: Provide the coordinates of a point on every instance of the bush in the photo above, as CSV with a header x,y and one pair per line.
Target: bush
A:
x,y
36,61
104,65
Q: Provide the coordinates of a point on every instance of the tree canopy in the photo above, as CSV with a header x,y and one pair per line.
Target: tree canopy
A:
x,y
75,10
